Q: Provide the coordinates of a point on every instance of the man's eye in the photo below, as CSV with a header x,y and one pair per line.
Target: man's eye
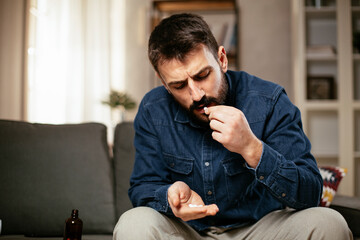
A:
x,y
179,86
203,75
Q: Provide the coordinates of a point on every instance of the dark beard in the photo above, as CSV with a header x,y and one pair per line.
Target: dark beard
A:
x,y
206,101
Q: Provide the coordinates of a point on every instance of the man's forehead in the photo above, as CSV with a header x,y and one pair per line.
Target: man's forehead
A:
x,y
195,63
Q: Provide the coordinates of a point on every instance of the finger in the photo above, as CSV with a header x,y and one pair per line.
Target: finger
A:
x,y
219,115
190,213
182,197
217,136
216,125
209,110
174,197
212,210
187,213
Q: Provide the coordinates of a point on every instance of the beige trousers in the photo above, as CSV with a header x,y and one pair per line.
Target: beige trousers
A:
x,y
143,223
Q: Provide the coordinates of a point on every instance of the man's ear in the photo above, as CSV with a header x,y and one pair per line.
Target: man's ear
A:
x,y
223,59
163,82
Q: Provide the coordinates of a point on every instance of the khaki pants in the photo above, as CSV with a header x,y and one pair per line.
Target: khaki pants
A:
x,y
144,223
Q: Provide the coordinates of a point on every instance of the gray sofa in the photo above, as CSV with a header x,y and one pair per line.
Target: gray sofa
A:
x,y
48,170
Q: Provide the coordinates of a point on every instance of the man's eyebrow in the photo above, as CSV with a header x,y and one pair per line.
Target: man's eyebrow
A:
x,y
193,76
177,82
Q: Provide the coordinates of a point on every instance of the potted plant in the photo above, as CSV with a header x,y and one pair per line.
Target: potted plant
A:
x,y
119,102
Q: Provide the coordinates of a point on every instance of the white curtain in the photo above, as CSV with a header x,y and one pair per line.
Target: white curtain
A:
x,y
75,58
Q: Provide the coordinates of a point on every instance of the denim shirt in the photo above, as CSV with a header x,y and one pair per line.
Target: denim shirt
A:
x,y
171,147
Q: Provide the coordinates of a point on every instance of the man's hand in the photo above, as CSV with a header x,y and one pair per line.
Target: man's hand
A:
x,y
232,130
180,196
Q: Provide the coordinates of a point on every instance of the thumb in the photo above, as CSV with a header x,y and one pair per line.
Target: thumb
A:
x,y
174,196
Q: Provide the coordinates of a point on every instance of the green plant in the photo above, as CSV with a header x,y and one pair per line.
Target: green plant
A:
x,y
119,99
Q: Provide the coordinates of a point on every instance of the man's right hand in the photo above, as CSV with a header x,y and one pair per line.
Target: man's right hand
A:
x,y
180,196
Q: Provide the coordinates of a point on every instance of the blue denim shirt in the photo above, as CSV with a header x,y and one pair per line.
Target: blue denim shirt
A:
x,y
170,147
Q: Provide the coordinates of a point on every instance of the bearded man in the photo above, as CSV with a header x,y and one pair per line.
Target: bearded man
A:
x,y
219,154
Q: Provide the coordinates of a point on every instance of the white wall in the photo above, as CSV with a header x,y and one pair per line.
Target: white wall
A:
x,y
139,74
265,40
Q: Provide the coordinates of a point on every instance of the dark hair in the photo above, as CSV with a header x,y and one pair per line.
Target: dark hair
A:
x,y
178,35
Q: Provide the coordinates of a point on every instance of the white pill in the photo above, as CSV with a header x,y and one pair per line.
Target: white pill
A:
x,y
194,205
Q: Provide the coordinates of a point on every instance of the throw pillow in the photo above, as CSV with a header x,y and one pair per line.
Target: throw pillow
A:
x,y
331,177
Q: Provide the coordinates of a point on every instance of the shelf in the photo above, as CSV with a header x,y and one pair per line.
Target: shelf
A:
x,y
356,9
356,56
326,155
333,126
321,12
175,6
322,105
322,58
356,105
357,154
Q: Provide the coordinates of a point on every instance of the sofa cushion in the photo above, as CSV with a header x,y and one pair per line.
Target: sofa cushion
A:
x,y
124,155
349,207
48,170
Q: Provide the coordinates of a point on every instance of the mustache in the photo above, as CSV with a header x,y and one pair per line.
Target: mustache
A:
x,y
204,101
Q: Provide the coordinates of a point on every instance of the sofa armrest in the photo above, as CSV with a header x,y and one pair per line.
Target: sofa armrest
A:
x,y
349,208
124,156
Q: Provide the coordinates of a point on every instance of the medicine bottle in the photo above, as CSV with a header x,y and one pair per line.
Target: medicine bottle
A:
x,y
73,226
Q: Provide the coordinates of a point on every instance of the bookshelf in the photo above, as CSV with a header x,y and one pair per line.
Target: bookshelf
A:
x,y
322,46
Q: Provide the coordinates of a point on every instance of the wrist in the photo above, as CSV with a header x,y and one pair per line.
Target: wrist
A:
x,y
253,154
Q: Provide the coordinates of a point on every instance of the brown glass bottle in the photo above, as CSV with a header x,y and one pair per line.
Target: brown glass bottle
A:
x,y
73,226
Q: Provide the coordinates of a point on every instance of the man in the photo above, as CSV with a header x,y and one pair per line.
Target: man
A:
x,y
219,154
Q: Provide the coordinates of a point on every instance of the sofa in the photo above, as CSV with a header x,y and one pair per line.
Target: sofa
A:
x,y
48,170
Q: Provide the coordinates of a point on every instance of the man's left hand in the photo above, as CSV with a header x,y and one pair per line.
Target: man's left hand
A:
x,y
232,130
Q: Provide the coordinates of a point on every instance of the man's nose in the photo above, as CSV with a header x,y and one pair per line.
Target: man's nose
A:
x,y
196,92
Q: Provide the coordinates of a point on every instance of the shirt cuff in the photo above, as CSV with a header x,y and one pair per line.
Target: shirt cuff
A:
x,y
161,196
268,165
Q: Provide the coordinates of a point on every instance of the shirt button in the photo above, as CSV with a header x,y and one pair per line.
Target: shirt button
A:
x,y
207,164
261,177
209,192
283,194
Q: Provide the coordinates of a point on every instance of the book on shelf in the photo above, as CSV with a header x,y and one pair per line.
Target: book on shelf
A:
x,y
318,51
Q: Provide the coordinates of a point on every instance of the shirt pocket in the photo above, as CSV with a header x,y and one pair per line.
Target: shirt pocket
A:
x,y
238,178
181,168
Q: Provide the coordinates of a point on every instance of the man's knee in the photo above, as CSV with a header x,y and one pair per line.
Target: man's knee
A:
x,y
326,223
137,223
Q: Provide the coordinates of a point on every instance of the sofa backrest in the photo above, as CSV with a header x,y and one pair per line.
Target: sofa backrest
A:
x,y
48,170
124,155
